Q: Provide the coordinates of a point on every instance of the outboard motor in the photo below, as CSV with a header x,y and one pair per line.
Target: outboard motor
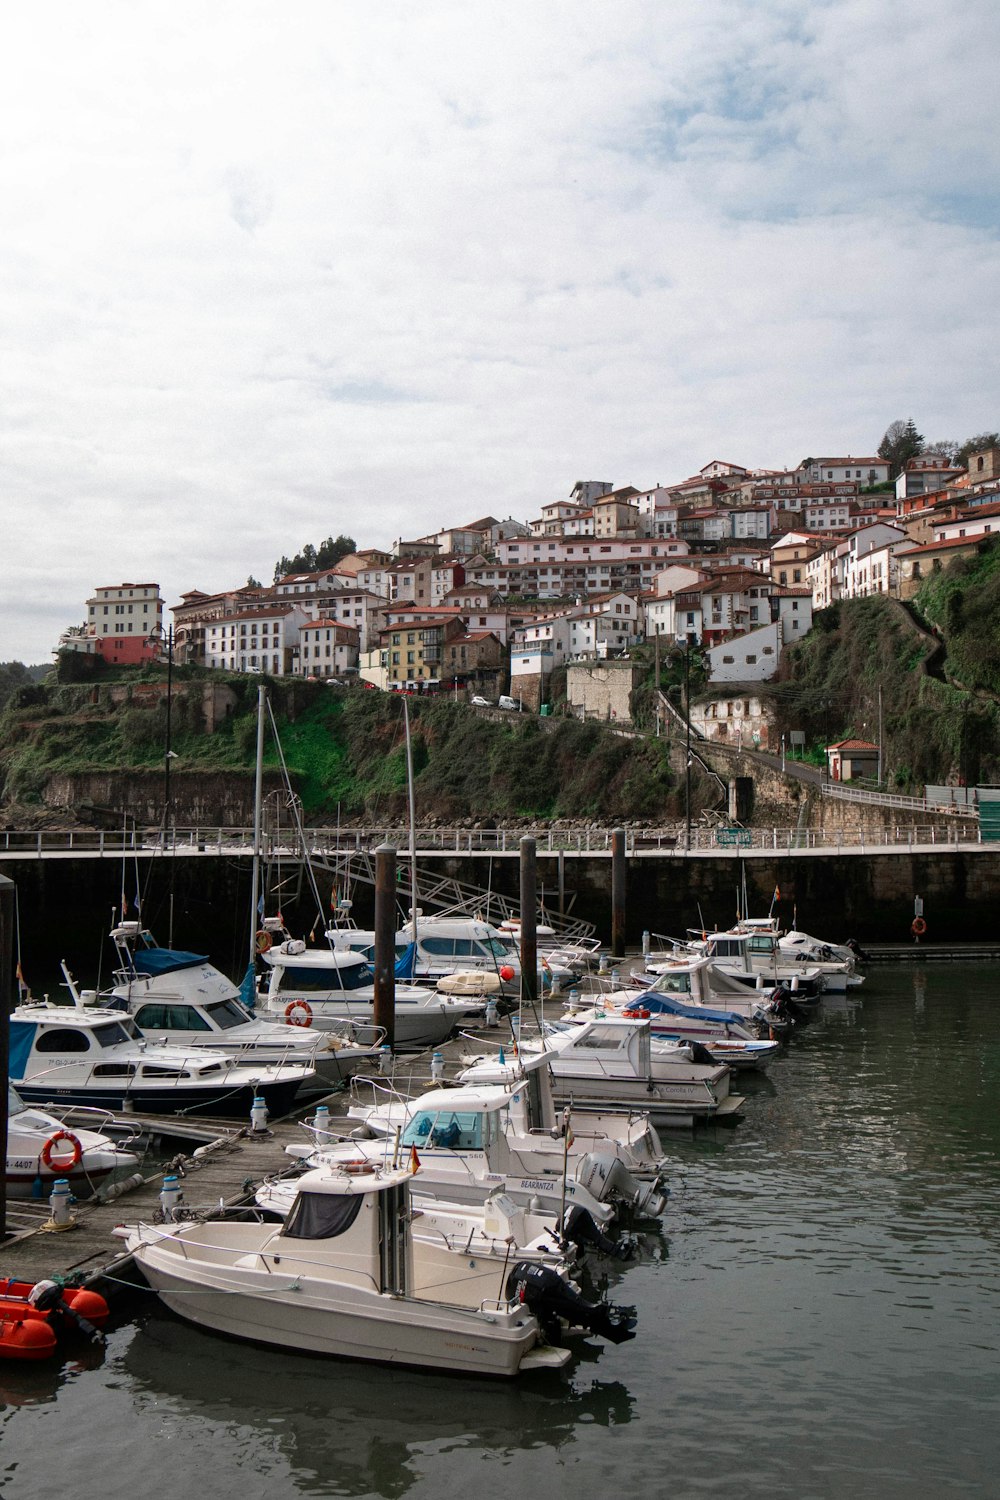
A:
x,y
581,1229
549,1299
47,1296
858,951
607,1179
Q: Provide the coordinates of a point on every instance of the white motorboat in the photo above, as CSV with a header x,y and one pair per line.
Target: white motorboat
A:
x,y
472,1142
609,1063
41,1150
182,998
679,1006
749,961
343,1275
322,987
837,962
67,1054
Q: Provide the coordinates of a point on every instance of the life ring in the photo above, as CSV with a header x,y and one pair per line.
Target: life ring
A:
x,y
50,1145
262,941
918,926
636,1015
354,1168
299,1013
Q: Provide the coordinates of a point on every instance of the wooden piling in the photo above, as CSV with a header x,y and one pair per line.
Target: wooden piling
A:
x,y
385,941
529,925
618,885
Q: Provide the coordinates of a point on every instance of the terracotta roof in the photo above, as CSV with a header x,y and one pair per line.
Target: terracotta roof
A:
x,y
853,745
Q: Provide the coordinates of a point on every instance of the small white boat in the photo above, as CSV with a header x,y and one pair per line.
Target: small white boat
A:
x,y
344,1276
473,1142
321,987
609,1063
42,1149
66,1054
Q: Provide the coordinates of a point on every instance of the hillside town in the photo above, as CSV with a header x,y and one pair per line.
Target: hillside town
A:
x,y
731,561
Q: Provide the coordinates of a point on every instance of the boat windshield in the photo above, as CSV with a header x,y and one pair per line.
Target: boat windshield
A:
x,y
115,1032
673,983
449,1129
226,1013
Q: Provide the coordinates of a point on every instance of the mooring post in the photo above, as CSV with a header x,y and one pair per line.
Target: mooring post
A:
x,y
618,873
7,951
529,924
385,941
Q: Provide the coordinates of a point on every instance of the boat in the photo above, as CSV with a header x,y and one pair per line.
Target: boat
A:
x,y
679,1006
609,1063
41,1151
36,1316
69,1054
744,960
474,1141
322,987
183,998
343,1275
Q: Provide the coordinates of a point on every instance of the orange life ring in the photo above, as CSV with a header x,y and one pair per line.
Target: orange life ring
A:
x,y
354,1168
298,1013
52,1142
636,1015
262,941
918,926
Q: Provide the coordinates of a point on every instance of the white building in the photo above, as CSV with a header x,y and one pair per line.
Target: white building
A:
x,y
746,658
265,639
326,649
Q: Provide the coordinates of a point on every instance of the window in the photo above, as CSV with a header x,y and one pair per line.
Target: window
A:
x,y
63,1040
751,659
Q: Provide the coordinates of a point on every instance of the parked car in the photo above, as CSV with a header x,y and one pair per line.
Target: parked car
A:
x,y
506,702
478,701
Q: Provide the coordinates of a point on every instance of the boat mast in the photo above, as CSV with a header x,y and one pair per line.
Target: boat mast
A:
x,y
413,819
258,800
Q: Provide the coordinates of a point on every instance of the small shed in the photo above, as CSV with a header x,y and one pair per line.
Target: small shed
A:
x,y
849,759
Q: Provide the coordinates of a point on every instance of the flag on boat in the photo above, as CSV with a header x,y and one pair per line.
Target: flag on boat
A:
x,y
777,894
414,1160
248,988
22,988
260,905
333,898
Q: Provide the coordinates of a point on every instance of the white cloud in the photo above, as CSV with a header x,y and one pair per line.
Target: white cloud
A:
x,y
268,273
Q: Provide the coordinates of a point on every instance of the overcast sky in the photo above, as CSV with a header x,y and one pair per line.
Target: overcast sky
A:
x,y
275,271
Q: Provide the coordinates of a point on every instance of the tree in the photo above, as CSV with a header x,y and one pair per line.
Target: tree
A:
x,y
977,444
253,583
902,441
327,555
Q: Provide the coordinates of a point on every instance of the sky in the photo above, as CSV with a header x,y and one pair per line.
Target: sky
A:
x,y
272,272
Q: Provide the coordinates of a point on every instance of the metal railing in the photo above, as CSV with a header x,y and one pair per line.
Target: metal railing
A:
x,y
329,842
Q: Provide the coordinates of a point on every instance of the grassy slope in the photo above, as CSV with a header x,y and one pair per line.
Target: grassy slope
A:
x,y
346,752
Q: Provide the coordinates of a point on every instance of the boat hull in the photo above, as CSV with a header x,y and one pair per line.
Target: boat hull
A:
x,y
228,1103
351,1325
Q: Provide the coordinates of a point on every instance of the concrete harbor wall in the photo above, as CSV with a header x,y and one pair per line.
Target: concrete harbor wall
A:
x,y
66,907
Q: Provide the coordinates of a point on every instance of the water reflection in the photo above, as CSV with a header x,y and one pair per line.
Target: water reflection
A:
x,y
354,1429
38,1384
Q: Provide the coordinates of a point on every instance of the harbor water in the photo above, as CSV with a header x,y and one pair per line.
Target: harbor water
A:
x,y
819,1315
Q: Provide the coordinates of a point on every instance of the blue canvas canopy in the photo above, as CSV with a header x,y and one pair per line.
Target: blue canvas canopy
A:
x,y
153,961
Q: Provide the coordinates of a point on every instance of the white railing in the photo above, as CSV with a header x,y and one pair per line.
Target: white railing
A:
x,y
329,843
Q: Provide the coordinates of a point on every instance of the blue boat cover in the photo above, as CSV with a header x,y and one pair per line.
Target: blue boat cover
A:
x,y
153,961
248,989
22,1038
667,1005
406,961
